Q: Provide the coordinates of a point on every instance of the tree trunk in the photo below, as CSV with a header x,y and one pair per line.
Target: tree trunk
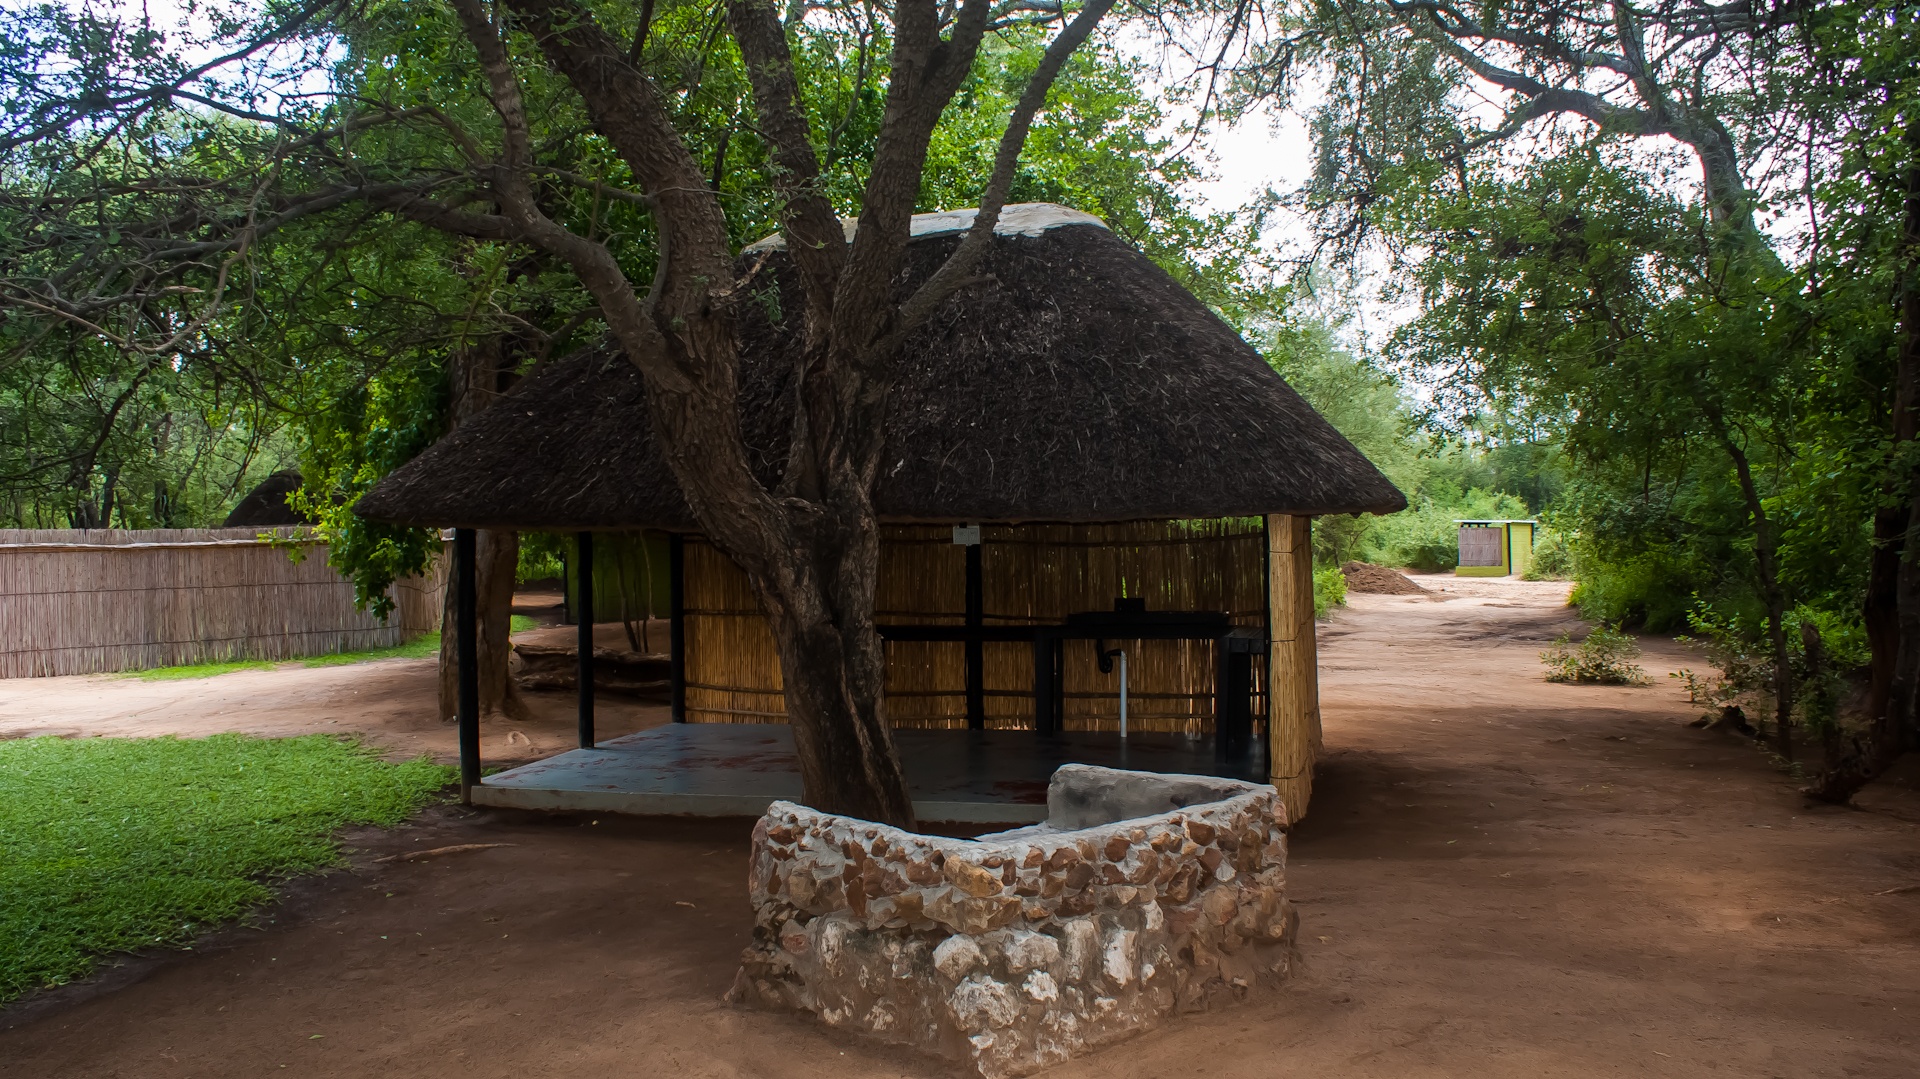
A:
x,y
478,372
1892,609
833,666
1766,563
1819,694
497,563
831,676
810,546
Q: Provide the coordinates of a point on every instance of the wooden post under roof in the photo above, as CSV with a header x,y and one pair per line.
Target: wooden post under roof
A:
x,y
583,621
676,625
1293,741
466,636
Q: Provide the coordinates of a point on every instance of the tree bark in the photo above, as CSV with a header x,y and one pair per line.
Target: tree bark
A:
x,y
477,372
809,545
1892,609
1773,594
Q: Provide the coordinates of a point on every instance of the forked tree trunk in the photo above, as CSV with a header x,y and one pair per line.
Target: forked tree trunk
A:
x,y
816,590
834,672
477,373
810,545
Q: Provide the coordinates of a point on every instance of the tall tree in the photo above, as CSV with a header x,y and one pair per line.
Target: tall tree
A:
x,y
809,543
1856,94
1694,311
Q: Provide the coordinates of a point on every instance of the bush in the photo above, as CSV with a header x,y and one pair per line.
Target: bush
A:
x,y
1552,558
1646,591
1741,655
1426,539
542,557
1604,658
1426,536
1329,590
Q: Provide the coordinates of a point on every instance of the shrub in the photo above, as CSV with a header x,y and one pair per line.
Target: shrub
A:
x,y
1552,559
1737,647
1329,590
1646,591
1604,658
542,557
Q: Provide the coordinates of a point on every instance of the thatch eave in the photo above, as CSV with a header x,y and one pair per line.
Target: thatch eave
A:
x,y
1078,384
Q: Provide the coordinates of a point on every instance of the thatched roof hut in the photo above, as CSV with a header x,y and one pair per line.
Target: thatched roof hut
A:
x,y
1079,382
266,505
1078,401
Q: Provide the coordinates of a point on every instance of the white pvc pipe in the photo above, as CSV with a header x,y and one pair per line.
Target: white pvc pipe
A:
x,y
1123,695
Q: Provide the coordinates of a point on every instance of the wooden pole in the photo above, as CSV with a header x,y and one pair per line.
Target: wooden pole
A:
x,y
583,618
1266,613
1293,685
466,651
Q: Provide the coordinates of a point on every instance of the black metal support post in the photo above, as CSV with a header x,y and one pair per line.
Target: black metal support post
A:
x,y
1042,683
1233,723
466,651
976,651
1048,652
677,624
1222,709
583,616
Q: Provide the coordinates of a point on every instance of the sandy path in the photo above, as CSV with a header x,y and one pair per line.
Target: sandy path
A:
x,y
1500,878
390,703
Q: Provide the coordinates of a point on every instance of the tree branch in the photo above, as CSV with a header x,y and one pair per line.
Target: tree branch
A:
x,y
626,316
626,109
815,239
959,267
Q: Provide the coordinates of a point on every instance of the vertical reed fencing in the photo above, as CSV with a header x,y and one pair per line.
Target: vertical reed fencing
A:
x,y
1031,574
86,601
1293,660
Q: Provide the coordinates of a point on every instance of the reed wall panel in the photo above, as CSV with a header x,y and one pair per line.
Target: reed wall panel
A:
x,y
96,600
1293,662
1031,574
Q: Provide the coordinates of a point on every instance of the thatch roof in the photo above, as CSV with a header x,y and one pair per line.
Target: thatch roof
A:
x,y
266,505
1079,383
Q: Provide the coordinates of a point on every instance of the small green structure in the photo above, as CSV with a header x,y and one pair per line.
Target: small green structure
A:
x,y
1495,548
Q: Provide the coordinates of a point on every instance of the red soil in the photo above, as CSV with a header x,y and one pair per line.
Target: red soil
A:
x,y
1367,577
1500,877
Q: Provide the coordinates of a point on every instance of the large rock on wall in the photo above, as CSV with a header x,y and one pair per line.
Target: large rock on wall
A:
x,y
1017,951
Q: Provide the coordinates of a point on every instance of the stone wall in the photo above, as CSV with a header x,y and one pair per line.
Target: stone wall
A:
x,y
1018,950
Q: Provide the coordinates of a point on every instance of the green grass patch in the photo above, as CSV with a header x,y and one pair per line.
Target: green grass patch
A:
x,y
203,670
427,644
112,844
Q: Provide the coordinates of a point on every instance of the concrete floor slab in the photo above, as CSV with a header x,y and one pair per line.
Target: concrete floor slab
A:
x,y
738,769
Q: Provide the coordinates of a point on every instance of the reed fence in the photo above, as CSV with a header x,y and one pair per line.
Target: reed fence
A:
x,y
1030,574
96,600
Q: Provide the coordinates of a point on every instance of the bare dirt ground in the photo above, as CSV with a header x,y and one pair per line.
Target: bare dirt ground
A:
x,y
1500,878
391,703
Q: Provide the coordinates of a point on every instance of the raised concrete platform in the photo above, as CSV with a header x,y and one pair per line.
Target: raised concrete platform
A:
x,y
738,769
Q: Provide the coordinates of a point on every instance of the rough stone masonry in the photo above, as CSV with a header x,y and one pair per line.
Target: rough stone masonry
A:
x,y
1143,896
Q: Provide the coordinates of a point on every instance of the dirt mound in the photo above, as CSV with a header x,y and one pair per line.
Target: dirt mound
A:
x,y
1367,577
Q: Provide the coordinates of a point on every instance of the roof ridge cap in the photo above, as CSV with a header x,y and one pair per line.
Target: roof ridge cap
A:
x,y
1018,219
